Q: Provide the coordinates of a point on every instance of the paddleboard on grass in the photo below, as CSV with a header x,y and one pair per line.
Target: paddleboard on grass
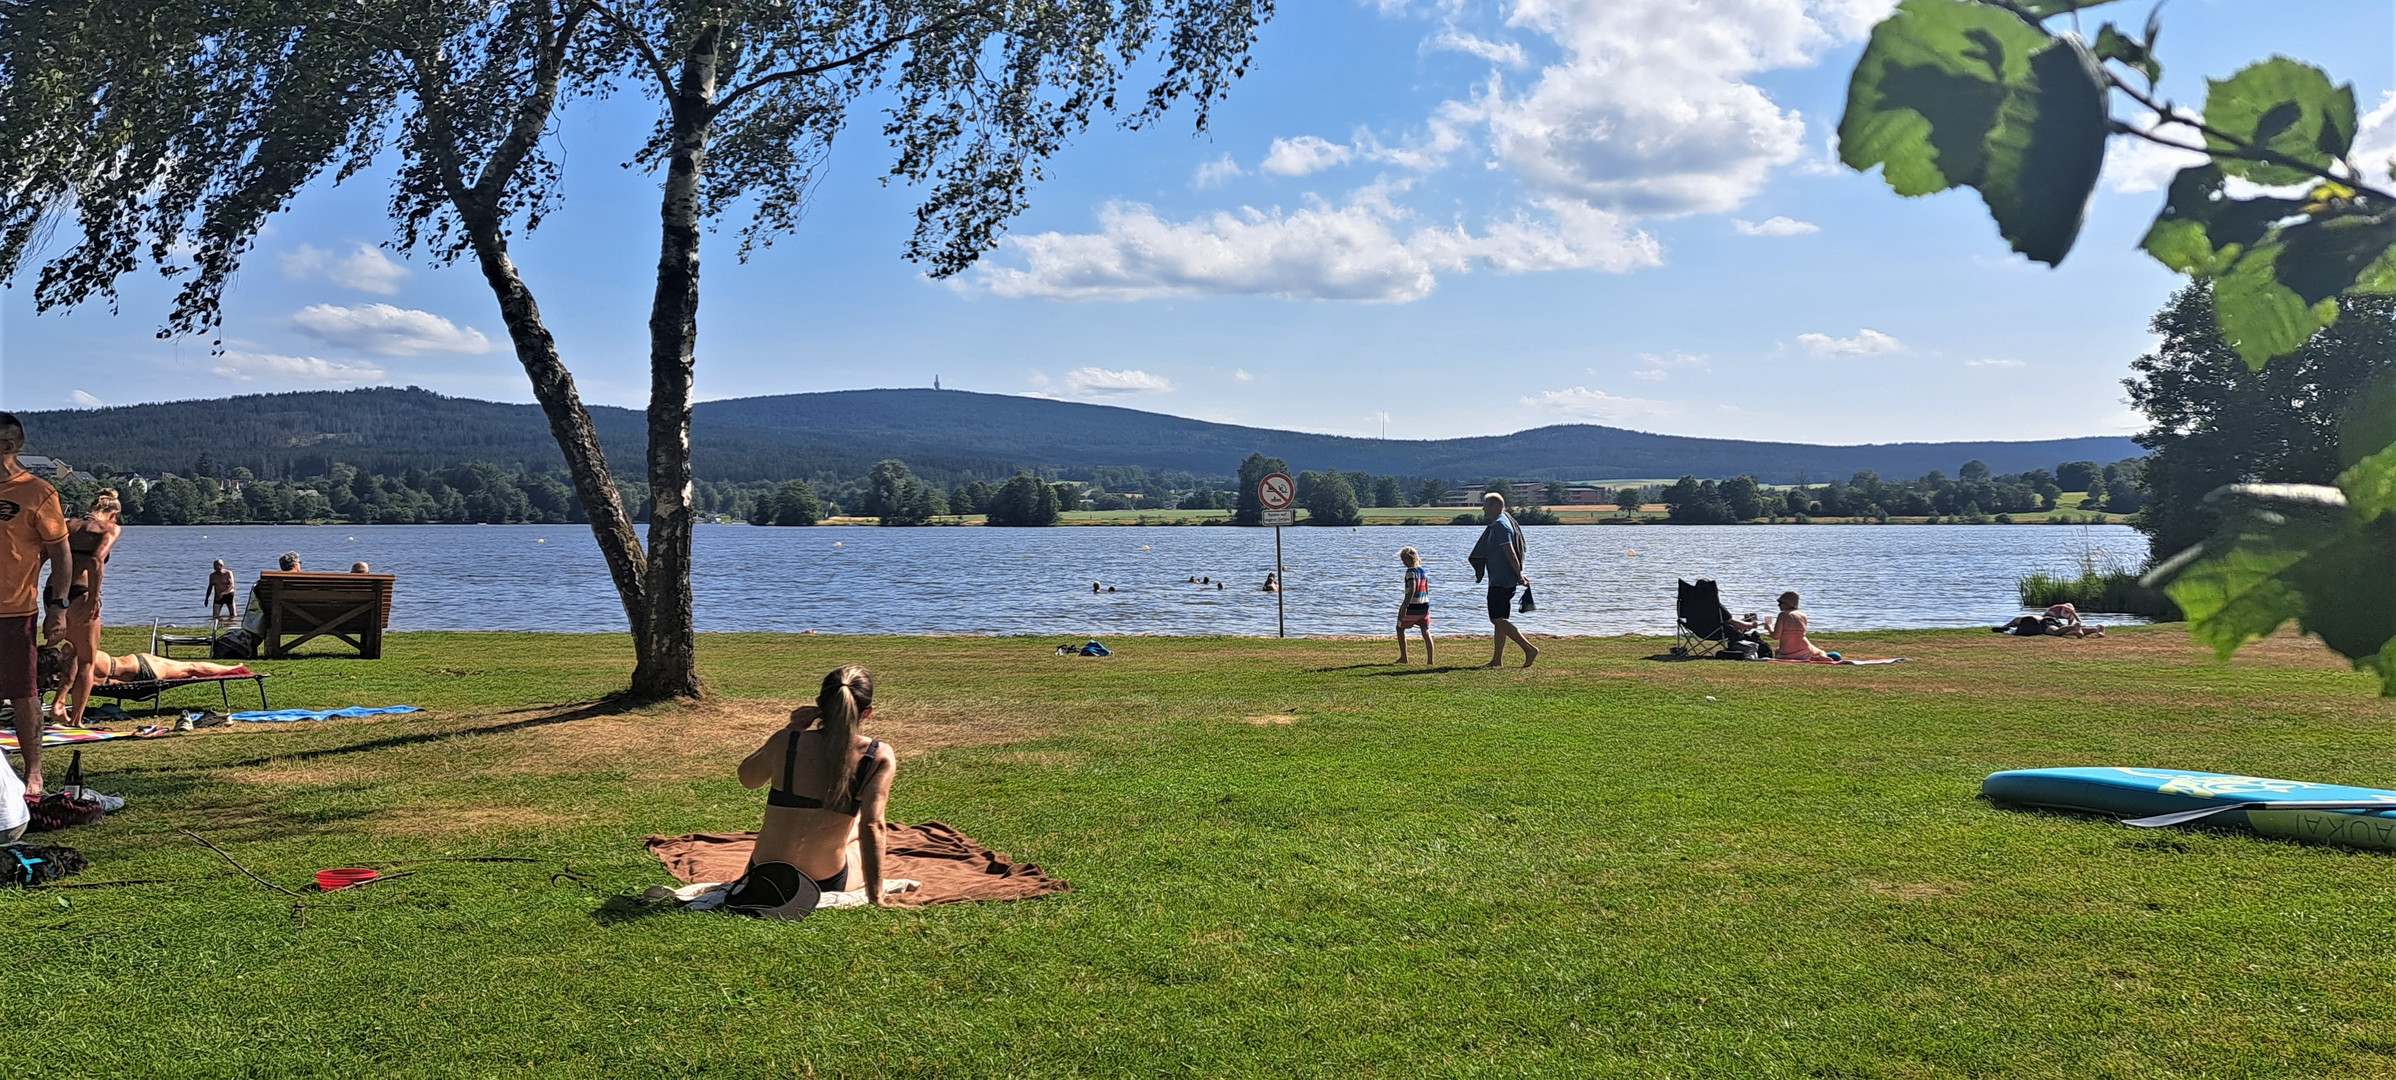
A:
x,y
2134,793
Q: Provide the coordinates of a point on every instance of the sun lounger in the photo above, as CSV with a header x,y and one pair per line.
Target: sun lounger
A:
x,y
151,689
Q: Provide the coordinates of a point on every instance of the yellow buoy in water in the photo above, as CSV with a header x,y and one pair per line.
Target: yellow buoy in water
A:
x,y
540,541
1143,547
835,543
1631,554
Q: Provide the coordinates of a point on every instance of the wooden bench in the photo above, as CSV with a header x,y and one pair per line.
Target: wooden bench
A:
x,y
303,606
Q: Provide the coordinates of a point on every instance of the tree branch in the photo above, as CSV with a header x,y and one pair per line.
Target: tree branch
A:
x,y
2240,148
948,22
658,68
532,117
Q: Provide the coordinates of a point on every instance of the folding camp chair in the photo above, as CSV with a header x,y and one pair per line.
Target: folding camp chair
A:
x,y
1703,624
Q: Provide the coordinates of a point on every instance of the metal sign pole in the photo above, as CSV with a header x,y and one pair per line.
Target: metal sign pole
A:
x,y
1281,607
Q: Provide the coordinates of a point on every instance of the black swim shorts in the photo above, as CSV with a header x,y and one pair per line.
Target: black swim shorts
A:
x,y
1501,604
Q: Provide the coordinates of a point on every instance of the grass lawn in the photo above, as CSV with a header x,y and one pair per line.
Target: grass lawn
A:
x,y
1289,859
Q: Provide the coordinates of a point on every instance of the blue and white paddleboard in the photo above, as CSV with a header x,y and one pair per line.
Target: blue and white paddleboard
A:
x,y
2133,793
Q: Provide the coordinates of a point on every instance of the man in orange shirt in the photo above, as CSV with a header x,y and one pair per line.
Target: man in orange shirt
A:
x,y
32,530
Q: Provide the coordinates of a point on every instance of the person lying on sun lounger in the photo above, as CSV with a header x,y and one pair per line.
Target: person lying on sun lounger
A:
x,y
827,786
147,667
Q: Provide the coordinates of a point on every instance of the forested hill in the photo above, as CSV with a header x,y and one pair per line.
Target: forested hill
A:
x,y
939,433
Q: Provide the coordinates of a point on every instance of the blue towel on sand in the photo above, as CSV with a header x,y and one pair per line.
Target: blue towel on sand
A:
x,y
283,715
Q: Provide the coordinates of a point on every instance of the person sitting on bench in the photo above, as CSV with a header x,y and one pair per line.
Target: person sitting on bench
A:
x,y
827,787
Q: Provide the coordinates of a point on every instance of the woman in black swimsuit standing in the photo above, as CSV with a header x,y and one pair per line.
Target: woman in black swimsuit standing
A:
x,y
92,538
827,788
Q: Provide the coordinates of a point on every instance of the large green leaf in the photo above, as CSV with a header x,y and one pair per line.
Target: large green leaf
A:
x,y
2259,315
2046,8
1955,94
2046,151
2328,256
2202,230
2349,590
2370,484
2236,595
2284,106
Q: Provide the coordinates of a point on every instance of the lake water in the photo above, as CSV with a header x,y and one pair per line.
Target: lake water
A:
x,y
865,580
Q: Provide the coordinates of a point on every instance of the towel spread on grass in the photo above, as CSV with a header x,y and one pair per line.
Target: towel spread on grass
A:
x,y
952,866
1844,663
63,736
278,716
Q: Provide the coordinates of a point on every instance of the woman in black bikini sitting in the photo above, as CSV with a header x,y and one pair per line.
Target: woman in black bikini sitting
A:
x,y
826,789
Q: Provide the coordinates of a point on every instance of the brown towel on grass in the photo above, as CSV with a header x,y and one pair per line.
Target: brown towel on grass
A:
x,y
952,867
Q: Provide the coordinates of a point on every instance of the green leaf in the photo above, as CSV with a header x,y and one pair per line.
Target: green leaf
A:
x,y
2327,256
2369,424
2046,151
1955,94
2112,44
2284,106
2349,590
2370,485
2048,8
2236,595
2382,664
2261,317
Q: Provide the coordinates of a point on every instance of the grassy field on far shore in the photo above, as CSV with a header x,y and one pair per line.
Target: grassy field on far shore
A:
x,y
1289,858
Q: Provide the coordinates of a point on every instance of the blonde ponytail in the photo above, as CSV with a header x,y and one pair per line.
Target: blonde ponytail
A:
x,y
107,503
846,694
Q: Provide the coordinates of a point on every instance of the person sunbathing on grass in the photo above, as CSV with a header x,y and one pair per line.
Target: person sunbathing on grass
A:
x,y
827,787
1788,633
145,667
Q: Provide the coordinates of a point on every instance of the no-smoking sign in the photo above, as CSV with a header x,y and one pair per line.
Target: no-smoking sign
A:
x,y
1277,491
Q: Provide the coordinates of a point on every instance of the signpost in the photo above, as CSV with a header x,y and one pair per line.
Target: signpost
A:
x,y
1278,493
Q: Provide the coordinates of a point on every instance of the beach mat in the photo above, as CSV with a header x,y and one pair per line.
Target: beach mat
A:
x,y
953,867
1846,663
59,736
285,716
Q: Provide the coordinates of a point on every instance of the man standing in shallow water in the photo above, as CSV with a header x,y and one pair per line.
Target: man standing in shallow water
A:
x,y
32,530
1499,554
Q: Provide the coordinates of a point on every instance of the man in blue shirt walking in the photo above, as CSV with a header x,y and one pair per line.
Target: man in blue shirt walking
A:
x,y
1499,554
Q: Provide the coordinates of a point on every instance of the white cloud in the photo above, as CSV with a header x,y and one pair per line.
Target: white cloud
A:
x,y
1774,226
1450,39
2135,166
1647,108
1305,154
1660,365
1995,363
250,367
365,268
387,331
1583,404
85,400
1241,375
1864,343
2375,141
1218,172
1101,382
1318,252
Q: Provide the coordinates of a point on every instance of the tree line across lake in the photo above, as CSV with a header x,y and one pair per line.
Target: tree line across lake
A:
x,y
481,492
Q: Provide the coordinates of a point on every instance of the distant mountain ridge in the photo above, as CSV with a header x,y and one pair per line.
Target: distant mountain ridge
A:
x,y
941,433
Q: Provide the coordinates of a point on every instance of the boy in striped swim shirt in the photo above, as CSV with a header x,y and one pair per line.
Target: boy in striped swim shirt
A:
x,y
1414,605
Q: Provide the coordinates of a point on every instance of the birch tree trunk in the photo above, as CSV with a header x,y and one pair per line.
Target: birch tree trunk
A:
x,y
670,666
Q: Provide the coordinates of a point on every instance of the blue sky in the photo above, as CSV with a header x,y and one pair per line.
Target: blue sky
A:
x,y
1430,217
